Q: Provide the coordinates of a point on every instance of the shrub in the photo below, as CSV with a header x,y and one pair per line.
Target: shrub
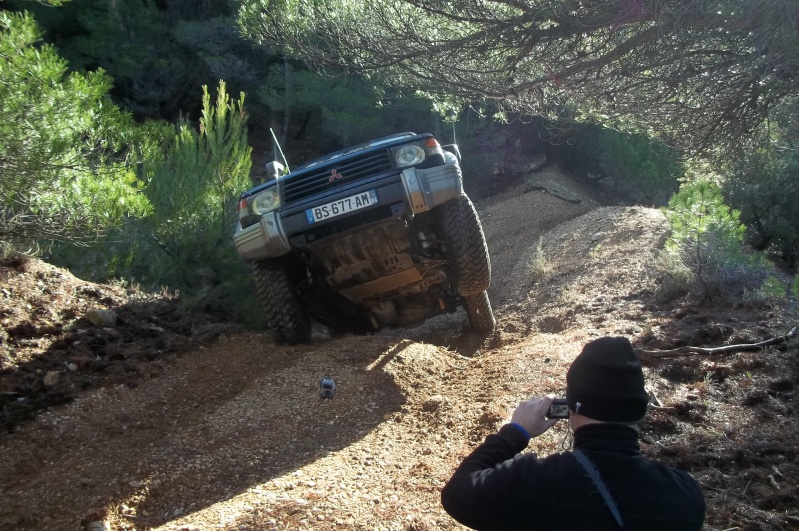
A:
x,y
539,266
675,278
340,110
704,250
67,155
772,289
194,194
185,244
630,165
764,187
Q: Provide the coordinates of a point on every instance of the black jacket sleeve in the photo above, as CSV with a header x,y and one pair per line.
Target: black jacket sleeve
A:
x,y
477,493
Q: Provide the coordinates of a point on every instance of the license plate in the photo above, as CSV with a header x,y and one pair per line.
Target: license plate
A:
x,y
341,206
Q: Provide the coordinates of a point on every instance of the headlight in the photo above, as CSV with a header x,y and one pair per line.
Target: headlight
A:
x,y
409,155
266,201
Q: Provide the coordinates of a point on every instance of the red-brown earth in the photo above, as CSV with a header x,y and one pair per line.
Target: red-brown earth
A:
x,y
162,419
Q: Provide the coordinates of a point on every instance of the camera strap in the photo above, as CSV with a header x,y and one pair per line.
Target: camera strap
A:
x,y
600,485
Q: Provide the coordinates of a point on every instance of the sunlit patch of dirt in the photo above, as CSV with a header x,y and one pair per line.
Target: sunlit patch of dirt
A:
x,y
166,420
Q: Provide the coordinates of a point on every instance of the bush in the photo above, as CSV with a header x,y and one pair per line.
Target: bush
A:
x,y
185,244
763,185
194,194
629,165
675,278
703,254
341,110
771,290
539,267
67,155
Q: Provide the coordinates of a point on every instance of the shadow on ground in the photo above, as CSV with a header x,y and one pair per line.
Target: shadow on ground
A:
x,y
215,423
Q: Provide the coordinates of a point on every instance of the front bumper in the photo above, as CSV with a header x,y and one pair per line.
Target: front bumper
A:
x,y
265,239
414,190
428,188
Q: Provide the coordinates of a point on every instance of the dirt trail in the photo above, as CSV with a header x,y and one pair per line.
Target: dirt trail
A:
x,y
233,435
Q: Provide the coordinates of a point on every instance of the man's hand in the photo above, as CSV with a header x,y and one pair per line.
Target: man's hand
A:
x,y
531,415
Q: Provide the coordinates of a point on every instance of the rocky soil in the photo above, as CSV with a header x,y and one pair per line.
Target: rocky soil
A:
x,y
120,411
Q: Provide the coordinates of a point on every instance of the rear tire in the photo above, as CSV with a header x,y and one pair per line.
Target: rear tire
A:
x,y
277,289
467,247
478,309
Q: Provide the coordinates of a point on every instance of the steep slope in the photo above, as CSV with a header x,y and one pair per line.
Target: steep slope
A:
x,y
230,433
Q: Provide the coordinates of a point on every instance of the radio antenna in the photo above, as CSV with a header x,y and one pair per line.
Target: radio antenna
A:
x,y
280,150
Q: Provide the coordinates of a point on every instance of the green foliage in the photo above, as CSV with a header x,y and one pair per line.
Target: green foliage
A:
x,y
158,52
675,278
491,145
763,185
67,154
795,287
205,170
185,243
704,248
771,289
152,71
225,53
347,104
771,292
539,266
633,166
346,109
194,195
699,74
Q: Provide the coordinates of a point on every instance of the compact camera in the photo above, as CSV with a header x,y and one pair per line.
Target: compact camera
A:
x,y
558,410
327,388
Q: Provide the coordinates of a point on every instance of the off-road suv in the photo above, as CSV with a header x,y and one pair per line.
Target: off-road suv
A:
x,y
377,235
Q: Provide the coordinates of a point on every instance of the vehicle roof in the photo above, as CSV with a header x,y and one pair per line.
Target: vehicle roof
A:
x,y
386,141
383,141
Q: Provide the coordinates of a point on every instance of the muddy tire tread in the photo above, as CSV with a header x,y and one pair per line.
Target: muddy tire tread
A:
x,y
467,246
481,316
285,314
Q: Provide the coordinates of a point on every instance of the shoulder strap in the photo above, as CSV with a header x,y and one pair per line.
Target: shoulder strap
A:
x,y
600,485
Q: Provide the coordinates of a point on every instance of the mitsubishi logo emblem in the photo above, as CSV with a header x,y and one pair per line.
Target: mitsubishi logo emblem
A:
x,y
334,175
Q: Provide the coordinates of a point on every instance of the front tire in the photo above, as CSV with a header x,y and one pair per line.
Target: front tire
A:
x,y
277,289
466,246
481,316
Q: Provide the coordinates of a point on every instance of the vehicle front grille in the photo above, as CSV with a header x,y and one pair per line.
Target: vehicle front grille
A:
x,y
319,180
348,223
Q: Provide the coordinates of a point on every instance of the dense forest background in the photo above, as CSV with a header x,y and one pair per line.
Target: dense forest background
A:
x,y
130,127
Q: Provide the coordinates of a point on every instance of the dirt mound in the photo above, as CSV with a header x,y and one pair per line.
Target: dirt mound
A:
x,y
595,268
176,422
61,336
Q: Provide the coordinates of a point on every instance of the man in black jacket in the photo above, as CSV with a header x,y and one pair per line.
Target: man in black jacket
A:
x,y
496,487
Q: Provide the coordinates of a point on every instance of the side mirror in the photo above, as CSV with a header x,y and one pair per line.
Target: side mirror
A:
x,y
274,170
453,148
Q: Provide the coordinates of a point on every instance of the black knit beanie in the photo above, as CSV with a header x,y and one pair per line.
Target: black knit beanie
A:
x,y
605,382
